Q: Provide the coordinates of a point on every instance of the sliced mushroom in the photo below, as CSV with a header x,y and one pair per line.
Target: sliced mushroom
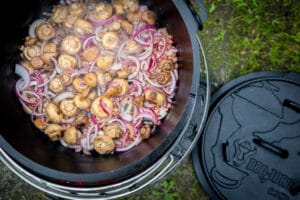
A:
x,y
166,65
162,77
155,96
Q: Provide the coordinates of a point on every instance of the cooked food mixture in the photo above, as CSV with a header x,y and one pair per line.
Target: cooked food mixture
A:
x,y
97,76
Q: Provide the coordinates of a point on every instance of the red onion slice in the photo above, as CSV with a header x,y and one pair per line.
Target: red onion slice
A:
x,y
56,66
32,27
49,79
106,21
122,124
149,28
138,65
23,100
93,119
86,41
63,96
148,114
25,76
136,141
103,107
172,85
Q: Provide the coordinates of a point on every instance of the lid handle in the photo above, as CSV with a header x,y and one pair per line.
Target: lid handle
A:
x,y
292,105
271,147
225,151
295,189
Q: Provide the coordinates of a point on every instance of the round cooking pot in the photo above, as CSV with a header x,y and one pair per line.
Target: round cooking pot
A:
x,y
64,173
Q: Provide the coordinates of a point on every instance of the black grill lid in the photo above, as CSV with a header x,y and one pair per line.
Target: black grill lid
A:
x,y
250,147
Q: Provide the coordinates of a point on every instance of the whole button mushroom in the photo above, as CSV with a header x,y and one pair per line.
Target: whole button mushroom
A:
x,y
117,87
134,18
110,40
53,113
130,5
45,31
81,102
77,9
68,108
67,62
90,54
37,62
149,17
104,144
101,11
83,27
146,131
56,85
105,61
71,44
113,130
102,107
118,6
31,52
54,132
132,47
90,79
69,21
79,85
71,135
59,13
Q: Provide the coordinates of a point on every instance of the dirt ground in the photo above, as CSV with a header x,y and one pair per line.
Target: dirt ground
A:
x,y
182,183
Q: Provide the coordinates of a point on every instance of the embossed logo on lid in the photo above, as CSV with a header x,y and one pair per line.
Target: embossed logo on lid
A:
x,y
250,148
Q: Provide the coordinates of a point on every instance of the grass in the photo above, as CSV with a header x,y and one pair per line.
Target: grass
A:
x,y
259,35
167,191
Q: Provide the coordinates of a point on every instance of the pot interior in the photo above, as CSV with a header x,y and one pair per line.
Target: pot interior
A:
x,y
29,147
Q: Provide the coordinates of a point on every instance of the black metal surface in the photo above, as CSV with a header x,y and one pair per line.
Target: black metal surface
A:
x,y
32,150
197,17
250,145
